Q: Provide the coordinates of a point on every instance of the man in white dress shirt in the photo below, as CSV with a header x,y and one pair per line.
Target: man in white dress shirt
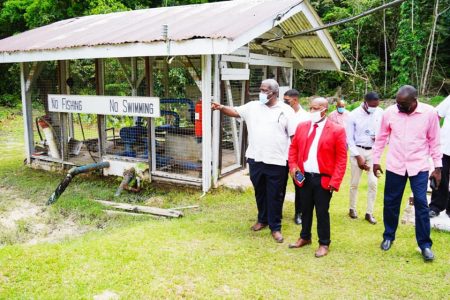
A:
x,y
301,115
440,198
362,126
268,135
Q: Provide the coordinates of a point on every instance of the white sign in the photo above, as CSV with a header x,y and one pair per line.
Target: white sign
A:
x,y
105,105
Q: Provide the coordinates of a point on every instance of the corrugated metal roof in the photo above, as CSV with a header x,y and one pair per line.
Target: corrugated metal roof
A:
x,y
228,19
231,22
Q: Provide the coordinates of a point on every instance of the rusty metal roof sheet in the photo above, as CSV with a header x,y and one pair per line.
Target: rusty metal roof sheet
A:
x,y
230,21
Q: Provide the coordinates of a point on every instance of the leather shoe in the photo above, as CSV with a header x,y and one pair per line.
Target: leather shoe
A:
x,y
386,245
427,254
321,251
300,243
432,214
277,236
258,226
371,219
352,214
298,219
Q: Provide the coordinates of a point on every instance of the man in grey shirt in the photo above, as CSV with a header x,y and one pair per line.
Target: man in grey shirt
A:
x,y
362,126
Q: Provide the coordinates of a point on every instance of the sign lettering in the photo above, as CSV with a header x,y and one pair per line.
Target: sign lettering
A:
x,y
105,105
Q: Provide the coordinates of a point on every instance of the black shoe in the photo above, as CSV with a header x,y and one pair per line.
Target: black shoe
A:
x,y
433,214
352,214
370,218
427,254
298,219
386,245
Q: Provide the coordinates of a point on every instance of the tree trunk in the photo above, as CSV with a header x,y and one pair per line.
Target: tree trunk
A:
x,y
430,51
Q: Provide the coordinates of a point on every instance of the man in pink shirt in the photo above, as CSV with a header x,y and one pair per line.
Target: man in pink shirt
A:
x,y
412,129
340,115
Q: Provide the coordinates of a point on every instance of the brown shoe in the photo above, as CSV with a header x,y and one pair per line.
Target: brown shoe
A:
x,y
258,226
300,243
369,218
277,236
352,214
321,251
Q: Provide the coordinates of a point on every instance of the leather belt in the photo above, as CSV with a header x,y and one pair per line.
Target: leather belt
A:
x,y
365,148
309,174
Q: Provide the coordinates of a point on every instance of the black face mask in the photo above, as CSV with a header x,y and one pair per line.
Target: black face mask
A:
x,y
287,102
404,109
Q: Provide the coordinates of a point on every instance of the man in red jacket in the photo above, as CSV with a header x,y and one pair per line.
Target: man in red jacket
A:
x,y
318,152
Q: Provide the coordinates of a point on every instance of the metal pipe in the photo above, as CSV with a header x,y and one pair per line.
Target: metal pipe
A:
x,y
70,175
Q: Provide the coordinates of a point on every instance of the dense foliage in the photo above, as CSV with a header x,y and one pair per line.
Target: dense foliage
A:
x,y
405,44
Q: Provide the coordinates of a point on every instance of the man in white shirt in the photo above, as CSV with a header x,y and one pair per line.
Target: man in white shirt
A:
x,y
291,99
268,135
362,126
440,197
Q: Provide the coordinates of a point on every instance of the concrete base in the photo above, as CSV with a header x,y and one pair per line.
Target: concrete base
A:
x,y
441,222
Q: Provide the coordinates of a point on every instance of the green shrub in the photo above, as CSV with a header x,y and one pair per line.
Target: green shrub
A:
x,y
9,100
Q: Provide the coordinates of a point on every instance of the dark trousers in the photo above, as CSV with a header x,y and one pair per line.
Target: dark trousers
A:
x,y
393,193
312,196
440,198
298,203
269,182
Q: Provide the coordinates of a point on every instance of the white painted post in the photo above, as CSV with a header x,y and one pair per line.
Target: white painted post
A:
x,y
101,119
27,113
216,124
206,122
70,116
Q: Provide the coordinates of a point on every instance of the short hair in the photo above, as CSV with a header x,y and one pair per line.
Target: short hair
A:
x,y
409,90
272,83
371,96
292,93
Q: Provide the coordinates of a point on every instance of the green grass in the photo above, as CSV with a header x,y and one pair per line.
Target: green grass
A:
x,y
209,253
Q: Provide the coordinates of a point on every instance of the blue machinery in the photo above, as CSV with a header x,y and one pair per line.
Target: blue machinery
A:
x,y
137,134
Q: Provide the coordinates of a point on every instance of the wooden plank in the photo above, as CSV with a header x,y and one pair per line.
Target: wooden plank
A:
x,y
143,209
236,77
230,71
186,207
236,59
124,213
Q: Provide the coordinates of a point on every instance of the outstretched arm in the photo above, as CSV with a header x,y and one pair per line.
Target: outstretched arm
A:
x,y
226,110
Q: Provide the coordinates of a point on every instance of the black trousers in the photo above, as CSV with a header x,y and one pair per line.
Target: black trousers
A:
x,y
312,196
298,203
440,198
269,182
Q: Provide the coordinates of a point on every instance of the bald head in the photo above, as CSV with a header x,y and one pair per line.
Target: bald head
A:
x,y
406,99
340,103
408,91
319,102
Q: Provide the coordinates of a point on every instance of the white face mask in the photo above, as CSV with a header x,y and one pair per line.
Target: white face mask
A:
x,y
371,110
263,98
316,116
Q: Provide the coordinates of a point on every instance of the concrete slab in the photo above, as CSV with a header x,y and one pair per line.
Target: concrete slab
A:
x,y
441,222
240,181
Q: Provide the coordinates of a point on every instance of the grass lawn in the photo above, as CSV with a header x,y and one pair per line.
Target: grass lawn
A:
x,y
209,253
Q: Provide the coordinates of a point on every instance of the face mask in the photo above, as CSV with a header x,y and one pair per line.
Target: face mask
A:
x,y
404,109
316,116
287,102
340,110
371,110
263,98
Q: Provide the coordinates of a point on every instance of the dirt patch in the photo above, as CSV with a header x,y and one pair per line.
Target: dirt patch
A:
x,y
22,221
